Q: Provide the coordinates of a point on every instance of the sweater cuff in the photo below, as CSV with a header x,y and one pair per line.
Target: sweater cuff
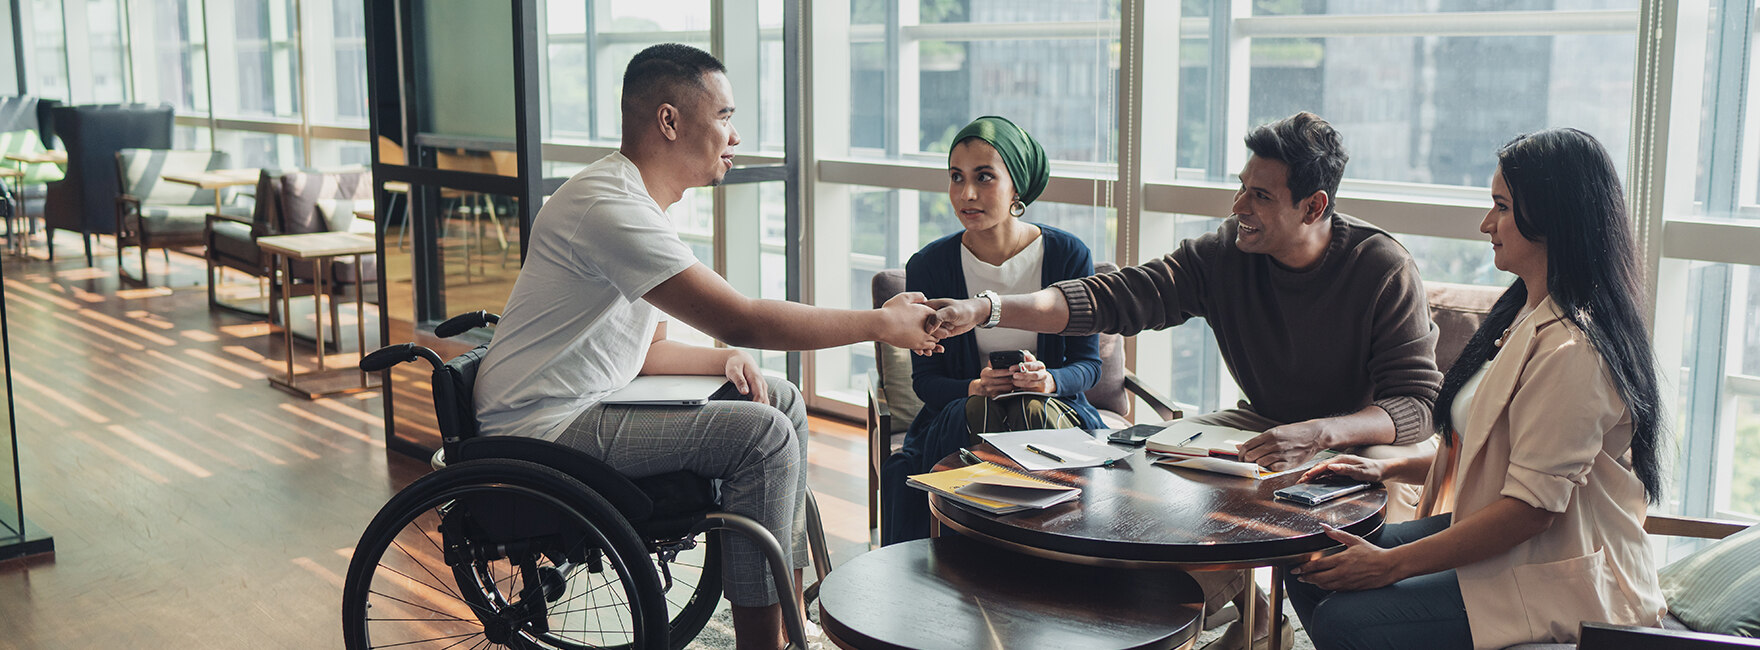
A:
x,y
1411,418
1081,307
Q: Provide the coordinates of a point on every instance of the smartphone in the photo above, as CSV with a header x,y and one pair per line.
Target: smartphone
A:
x,y
1136,436
1005,359
1320,491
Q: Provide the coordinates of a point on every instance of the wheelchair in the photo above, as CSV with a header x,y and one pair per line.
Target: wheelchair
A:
x,y
525,543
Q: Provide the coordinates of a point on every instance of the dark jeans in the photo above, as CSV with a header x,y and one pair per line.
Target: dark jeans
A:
x,y
1420,612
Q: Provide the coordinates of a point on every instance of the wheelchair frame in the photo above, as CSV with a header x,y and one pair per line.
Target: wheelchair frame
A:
x,y
627,500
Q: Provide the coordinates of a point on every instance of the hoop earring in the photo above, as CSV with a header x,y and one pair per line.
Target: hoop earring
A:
x,y
1017,208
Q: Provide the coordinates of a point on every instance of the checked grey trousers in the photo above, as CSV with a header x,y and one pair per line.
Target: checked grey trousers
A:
x,y
759,451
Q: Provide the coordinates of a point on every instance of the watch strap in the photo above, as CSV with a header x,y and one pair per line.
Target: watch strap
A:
x,y
995,308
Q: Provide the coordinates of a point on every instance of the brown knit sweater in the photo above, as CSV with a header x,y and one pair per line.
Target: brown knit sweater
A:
x,y
1354,330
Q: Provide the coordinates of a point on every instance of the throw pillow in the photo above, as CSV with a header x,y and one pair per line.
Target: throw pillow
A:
x,y
1717,589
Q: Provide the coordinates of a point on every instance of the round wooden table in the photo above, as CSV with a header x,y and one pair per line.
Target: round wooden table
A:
x,y
956,593
1138,514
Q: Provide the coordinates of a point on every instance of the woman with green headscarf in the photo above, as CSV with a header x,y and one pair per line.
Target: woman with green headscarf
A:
x,y
994,171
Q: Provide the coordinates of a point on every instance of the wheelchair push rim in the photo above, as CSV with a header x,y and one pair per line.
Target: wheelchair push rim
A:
x,y
437,569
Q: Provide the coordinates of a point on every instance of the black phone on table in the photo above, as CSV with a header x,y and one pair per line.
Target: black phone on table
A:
x,y
1321,490
1136,436
1005,359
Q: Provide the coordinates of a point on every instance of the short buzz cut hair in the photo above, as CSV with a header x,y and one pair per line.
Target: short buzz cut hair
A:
x,y
1311,149
667,73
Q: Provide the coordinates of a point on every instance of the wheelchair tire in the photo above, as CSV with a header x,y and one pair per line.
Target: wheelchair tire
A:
x,y
695,590
501,552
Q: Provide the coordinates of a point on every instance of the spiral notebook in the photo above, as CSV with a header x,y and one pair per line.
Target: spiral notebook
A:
x,y
994,488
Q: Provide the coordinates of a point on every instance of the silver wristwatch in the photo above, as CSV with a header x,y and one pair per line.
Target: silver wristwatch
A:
x,y
995,308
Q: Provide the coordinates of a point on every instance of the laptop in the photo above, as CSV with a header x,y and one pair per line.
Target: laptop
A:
x,y
673,390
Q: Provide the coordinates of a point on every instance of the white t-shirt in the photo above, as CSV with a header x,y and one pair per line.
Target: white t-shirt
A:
x,y
1019,274
575,327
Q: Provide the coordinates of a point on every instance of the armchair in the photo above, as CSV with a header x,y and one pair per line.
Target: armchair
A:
x,y
892,403
85,200
287,204
36,175
1713,595
152,212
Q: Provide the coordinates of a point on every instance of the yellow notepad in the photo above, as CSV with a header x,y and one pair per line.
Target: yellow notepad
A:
x,y
994,488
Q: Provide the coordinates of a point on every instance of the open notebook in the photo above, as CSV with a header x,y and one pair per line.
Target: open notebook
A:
x,y
673,390
994,488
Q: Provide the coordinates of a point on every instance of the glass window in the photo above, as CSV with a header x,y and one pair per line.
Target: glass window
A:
x,y
960,61
336,61
179,66
260,150
48,54
1719,389
109,56
1431,109
256,67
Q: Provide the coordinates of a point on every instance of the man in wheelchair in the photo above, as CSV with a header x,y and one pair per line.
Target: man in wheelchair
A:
x,y
585,317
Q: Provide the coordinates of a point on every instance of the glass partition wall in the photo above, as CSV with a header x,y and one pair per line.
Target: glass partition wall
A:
x,y
18,536
452,125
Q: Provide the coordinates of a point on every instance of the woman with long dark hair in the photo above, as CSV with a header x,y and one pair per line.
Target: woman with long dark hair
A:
x,y
1552,436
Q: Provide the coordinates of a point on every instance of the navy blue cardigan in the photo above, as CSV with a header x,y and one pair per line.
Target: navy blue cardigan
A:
x,y
1074,361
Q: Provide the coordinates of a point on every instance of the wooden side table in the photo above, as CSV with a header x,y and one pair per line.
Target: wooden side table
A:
x,y
217,179
320,248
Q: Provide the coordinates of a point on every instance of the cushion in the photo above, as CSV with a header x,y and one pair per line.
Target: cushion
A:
x,y
1457,310
895,379
301,191
1717,589
170,219
232,239
339,214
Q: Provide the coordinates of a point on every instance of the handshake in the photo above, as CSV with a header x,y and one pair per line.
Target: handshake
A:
x,y
910,320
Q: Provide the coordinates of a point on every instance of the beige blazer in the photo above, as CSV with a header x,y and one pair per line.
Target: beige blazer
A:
x,y
1548,427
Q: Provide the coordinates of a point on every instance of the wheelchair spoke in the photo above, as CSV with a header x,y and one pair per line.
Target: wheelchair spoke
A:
x,y
430,572
465,637
448,617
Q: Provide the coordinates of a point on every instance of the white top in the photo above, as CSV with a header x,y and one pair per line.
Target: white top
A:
x,y
575,328
1018,274
1463,400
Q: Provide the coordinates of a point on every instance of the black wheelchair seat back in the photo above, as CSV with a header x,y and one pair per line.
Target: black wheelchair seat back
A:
x,y
454,383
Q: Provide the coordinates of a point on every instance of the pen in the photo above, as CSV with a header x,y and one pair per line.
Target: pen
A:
x,y
969,457
1044,453
1189,440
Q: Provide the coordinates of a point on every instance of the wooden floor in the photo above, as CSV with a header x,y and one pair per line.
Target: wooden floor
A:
x,y
192,505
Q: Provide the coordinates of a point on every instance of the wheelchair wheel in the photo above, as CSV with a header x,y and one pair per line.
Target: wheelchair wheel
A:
x,y
501,553
690,573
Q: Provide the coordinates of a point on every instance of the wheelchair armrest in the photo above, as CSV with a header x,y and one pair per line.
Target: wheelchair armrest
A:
x,y
609,483
1164,407
1607,636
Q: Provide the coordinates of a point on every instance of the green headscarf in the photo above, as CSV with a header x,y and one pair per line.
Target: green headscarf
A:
x,y
1022,154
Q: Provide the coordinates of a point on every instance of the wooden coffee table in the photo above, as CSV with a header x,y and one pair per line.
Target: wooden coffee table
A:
x,y
1137,514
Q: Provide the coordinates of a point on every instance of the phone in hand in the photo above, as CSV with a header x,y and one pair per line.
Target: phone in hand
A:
x,y
1321,490
1005,359
1136,436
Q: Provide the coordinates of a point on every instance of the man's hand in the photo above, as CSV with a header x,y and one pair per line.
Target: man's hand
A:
x,y
1360,566
906,322
957,317
743,371
1030,375
1285,446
